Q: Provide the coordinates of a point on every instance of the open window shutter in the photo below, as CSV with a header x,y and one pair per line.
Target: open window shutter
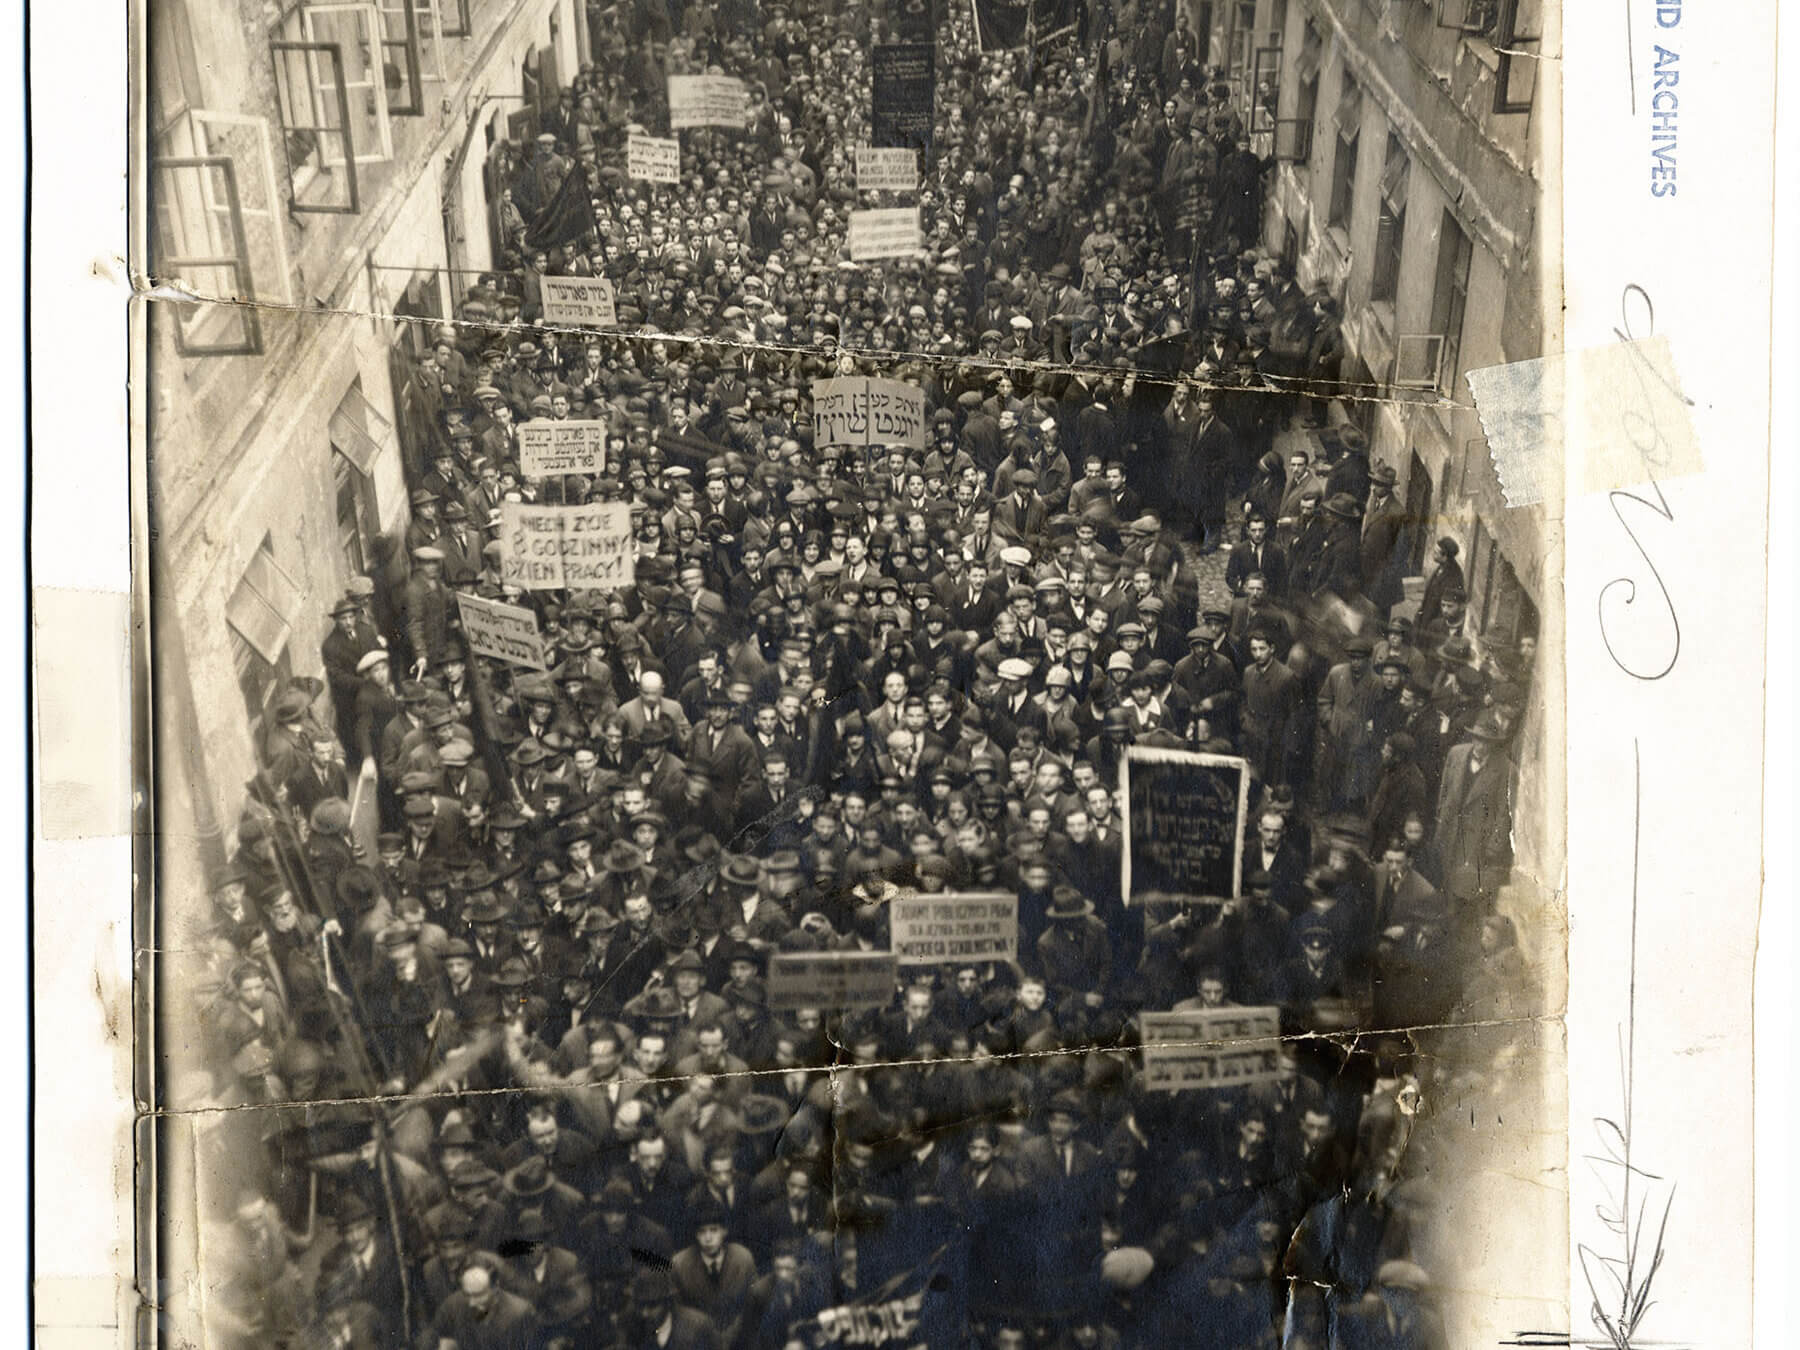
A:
x,y
201,248
314,104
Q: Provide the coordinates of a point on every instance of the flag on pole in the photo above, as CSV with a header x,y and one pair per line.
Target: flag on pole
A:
x,y
1004,25
569,218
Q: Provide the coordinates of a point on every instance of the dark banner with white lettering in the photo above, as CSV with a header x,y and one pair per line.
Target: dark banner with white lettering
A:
x,y
1184,823
903,80
920,1308
1002,25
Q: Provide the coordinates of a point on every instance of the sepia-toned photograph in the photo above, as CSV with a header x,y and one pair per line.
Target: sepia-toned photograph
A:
x,y
835,673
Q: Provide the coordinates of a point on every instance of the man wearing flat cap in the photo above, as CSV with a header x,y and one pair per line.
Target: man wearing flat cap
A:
x,y
427,608
1020,516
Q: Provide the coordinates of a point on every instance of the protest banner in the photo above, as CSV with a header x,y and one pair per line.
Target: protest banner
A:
x,y
548,548
1184,823
830,980
707,101
579,300
1210,1048
954,926
858,411
897,1314
655,159
886,170
573,446
891,232
903,82
505,632
1003,25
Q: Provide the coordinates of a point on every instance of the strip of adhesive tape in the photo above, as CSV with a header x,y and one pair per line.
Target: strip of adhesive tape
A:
x,y
1612,416
81,645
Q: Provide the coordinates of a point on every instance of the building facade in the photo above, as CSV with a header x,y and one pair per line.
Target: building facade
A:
x,y
332,203
1410,180
318,202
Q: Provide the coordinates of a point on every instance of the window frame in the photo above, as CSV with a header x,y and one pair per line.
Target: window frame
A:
x,y
1477,27
412,61
347,162
1271,110
1507,42
464,25
349,482
1341,207
1450,295
1390,223
368,17
262,573
199,119
1311,56
1302,128
248,662
1429,366
352,435
167,262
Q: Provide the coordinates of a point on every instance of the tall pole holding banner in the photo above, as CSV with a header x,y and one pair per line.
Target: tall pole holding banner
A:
x,y
484,729
1030,45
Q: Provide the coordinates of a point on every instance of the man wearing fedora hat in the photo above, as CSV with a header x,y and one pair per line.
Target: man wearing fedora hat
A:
x,y
1445,574
1065,1172
549,1277
1074,954
288,729
655,1317
351,638
1386,540
361,1267
658,771
402,732
1337,566
1471,838
712,1275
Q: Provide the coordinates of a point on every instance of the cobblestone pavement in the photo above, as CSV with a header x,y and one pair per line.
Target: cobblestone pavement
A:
x,y
1209,568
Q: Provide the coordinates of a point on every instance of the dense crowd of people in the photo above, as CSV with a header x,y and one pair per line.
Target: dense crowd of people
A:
x,y
522,1083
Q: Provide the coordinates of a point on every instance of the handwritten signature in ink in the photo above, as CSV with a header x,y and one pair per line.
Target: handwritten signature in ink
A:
x,y
1637,315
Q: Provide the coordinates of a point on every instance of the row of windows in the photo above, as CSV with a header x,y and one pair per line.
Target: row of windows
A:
x,y
1431,360
1513,29
266,602
341,72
